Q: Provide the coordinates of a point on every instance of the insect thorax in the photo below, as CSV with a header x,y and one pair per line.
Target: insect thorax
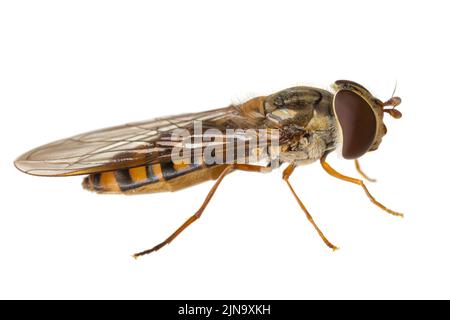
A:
x,y
306,121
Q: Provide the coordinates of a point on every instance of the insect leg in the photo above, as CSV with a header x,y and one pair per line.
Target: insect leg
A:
x,y
286,174
358,168
197,215
338,175
251,168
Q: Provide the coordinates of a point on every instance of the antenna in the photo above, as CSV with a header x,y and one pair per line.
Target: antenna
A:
x,y
393,92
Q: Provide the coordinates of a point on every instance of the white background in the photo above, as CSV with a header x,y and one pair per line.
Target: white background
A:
x,y
69,67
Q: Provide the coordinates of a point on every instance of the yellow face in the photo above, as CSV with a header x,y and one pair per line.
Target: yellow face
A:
x,y
381,127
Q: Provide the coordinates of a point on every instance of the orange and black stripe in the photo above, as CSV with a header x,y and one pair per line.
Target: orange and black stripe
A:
x,y
124,180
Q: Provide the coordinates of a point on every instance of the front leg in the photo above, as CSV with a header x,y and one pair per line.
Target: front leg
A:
x,y
362,173
340,176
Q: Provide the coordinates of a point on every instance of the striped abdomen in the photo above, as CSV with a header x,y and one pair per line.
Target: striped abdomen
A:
x,y
158,177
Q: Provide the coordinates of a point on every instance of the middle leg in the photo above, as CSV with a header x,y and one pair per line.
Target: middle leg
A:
x,y
286,174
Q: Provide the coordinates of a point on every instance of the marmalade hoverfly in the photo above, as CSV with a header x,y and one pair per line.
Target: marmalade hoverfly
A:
x,y
296,126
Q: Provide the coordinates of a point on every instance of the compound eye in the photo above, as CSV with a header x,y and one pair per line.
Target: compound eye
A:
x,y
357,121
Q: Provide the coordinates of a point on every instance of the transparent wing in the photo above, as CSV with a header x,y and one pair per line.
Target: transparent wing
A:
x,y
125,146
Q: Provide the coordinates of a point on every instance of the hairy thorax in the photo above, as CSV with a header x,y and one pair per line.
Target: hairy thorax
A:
x,y
306,122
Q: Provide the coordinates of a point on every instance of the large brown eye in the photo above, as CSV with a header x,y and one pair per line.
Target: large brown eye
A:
x,y
357,121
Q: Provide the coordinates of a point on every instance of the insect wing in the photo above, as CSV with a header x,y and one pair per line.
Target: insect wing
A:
x,y
123,146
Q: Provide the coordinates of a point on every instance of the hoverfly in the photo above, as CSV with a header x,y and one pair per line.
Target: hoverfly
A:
x,y
138,157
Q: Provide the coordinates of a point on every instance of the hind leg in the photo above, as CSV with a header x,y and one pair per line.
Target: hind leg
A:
x,y
198,214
